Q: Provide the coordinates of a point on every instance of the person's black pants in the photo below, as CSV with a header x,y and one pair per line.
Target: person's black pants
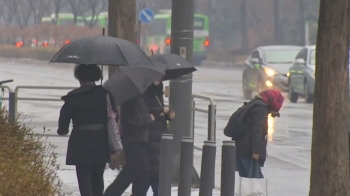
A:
x,y
90,179
136,171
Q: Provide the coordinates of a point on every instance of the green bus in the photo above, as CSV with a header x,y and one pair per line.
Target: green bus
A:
x,y
102,19
159,31
64,19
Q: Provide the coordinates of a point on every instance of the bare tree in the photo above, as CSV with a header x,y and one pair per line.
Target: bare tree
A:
x,y
23,14
57,5
330,145
8,10
38,9
95,7
77,7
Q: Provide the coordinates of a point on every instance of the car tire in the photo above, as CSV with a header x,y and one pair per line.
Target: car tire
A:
x,y
293,96
247,93
309,98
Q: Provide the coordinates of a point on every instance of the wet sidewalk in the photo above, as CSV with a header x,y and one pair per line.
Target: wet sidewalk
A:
x,y
283,178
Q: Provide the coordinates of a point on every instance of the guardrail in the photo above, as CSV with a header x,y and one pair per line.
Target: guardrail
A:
x,y
211,115
13,98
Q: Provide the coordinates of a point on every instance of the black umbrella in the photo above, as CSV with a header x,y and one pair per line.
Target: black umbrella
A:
x,y
101,50
132,81
176,65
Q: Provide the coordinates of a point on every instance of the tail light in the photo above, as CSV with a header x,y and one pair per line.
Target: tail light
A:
x,y
45,44
168,41
206,42
67,42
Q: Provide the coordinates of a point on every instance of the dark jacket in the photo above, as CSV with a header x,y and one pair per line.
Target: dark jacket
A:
x,y
134,120
87,108
155,102
255,140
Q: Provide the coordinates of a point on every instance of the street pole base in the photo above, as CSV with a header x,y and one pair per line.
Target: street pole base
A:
x,y
195,177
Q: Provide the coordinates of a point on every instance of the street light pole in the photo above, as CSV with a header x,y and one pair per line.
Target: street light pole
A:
x,y
180,100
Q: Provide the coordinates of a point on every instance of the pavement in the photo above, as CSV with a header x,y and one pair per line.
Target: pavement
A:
x,y
288,165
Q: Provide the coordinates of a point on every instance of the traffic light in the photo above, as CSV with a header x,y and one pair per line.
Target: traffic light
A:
x,y
207,42
168,41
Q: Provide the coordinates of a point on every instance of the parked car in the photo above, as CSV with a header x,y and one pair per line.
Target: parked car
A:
x,y
267,67
301,76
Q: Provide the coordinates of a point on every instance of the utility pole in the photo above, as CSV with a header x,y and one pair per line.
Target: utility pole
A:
x,y
182,21
122,22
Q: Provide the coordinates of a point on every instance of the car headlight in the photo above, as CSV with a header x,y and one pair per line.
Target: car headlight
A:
x,y
288,74
270,72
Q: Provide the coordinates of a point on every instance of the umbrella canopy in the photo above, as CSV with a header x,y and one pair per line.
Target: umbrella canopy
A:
x,y
132,81
101,50
176,66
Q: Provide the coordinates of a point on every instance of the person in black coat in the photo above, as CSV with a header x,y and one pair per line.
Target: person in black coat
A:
x,y
251,147
88,147
155,102
135,122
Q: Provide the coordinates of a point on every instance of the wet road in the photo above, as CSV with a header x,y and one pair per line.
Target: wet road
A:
x,y
289,136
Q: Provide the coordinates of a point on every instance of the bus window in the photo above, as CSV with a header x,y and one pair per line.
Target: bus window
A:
x,y
158,27
198,23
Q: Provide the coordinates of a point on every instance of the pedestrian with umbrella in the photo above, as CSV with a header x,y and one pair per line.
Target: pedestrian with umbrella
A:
x,y
101,50
127,88
88,145
155,103
175,66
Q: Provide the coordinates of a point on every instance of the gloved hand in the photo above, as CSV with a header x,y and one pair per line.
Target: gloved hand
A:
x,y
62,132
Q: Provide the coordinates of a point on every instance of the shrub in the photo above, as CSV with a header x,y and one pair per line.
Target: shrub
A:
x,y
28,164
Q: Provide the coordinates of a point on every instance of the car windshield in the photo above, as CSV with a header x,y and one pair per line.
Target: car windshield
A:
x,y
280,56
312,60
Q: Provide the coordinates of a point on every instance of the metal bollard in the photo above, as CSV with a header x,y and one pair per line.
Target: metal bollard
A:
x,y
166,165
208,169
228,168
212,122
186,164
12,107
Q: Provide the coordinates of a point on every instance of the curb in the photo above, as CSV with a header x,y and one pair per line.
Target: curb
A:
x,y
222,64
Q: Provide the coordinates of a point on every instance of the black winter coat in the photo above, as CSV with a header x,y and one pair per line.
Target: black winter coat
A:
x,y
135,120
87,108
155,102
255,140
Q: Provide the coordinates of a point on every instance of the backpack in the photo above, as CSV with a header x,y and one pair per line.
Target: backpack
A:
x,y
236,128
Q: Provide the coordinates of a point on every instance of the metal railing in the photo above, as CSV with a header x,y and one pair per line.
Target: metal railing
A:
x,y
211,115
13,98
